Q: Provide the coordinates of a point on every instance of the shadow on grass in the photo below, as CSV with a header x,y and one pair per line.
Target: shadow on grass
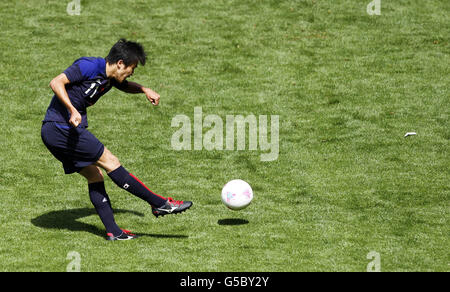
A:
x,y
68,219
232,221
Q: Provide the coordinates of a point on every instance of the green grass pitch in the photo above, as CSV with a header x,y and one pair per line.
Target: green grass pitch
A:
x,y
346,86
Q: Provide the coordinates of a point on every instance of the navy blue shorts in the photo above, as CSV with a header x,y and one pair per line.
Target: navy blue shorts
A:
x,y
76,148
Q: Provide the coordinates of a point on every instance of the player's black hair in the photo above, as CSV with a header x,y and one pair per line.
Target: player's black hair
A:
x,y
130,52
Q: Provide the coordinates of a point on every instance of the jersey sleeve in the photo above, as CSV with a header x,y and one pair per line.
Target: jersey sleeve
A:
x,y
81,70
118,85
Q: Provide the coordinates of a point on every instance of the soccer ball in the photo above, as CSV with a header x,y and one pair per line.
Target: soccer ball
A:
x,y
237,194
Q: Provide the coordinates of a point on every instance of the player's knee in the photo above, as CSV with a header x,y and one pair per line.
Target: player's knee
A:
x,y
109,161
113,161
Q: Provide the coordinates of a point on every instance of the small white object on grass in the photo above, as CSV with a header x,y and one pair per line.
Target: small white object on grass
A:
x,y
410,134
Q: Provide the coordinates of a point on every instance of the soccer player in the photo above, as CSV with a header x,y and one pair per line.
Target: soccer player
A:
x,y
64,130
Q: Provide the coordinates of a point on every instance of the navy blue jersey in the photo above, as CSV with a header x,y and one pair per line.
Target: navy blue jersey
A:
x,y
88,82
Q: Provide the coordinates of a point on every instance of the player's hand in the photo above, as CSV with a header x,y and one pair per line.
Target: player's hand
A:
x,y
152,96
75,118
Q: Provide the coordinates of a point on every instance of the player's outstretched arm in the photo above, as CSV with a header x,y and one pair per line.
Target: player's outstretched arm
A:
x,y
133,87
152,96
58,85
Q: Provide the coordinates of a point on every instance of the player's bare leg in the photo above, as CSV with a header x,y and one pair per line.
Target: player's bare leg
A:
x,y
108,161
92,173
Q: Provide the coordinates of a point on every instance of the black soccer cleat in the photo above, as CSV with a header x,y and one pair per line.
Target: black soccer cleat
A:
x,y
171,207
126,235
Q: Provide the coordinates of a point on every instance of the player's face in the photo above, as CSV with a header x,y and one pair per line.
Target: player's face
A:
x,y
123,72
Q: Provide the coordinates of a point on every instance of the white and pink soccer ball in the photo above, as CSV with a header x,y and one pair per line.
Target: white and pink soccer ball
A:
x,y
237,194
